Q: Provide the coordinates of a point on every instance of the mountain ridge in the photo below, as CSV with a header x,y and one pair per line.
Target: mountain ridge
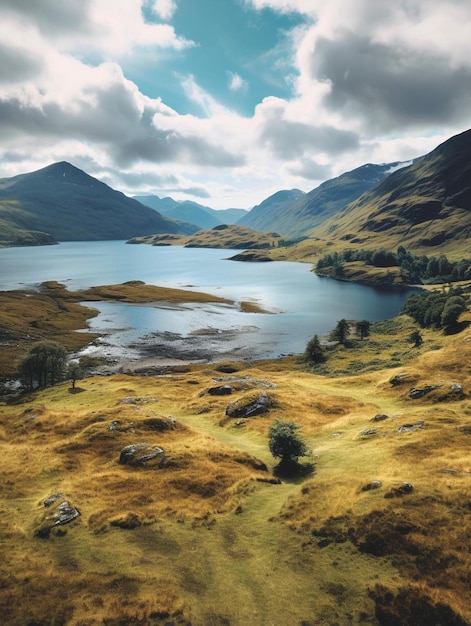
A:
x,y
67,204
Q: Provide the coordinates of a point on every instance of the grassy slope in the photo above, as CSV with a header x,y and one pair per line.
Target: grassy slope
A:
x,y
216,545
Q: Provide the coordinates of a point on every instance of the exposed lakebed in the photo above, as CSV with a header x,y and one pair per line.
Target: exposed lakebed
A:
x,y
300,304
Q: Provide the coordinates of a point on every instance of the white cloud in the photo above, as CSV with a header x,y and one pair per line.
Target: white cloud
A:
x,y
164,8
373,82
236,82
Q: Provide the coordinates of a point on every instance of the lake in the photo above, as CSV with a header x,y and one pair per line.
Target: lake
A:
x,y
302,303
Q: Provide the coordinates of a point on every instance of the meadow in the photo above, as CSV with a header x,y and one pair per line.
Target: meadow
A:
x,y
377,533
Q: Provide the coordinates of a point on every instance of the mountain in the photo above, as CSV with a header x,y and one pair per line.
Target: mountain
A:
x,y
294,213
64,203
202,216
273,213
422,207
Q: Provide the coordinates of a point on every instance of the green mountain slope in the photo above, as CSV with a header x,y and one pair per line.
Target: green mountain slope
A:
x,y
425,207
294,213
69,205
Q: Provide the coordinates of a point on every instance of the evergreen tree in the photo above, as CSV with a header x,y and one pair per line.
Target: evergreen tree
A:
x,y
314,352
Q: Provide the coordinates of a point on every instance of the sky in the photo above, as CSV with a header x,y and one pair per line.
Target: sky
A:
x,y
225,102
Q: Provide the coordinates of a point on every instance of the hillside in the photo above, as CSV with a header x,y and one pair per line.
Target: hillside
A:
x,y
376,531
69,205
230,236
192,212
294,214
424,207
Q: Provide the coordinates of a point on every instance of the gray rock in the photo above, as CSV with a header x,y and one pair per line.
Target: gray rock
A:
x,y
379,417
405,428
140,454
251,408
220,390
420,392
368,432
374,484
399,379
59,512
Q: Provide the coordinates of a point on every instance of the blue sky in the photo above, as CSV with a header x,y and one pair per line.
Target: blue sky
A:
x,y
240,55
226,102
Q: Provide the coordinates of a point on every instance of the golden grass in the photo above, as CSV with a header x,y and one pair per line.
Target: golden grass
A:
x,y
211,538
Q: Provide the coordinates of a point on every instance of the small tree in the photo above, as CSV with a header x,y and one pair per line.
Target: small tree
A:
x,y
314,352
74,372
340,332
416,339
363,329
285,443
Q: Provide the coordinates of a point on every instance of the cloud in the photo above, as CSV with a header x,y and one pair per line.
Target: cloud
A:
x,y
164,9
17,65
49,16
236,82
288,138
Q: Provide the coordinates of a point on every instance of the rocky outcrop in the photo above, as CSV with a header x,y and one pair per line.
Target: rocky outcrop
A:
x,y
59,512
249,406
142,454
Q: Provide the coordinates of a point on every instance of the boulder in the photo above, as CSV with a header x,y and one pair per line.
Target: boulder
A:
x,y
249,406
368,432
142,453
59,512
374,484
220,390
406,428
379,417
420,392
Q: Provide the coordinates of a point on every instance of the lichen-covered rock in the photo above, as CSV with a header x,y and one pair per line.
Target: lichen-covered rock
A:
x,y
249,406
142,453
59,512
380,417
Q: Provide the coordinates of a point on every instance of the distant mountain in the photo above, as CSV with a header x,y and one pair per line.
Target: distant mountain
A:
x,y
202,216
421,207
63,203
294,213
273,213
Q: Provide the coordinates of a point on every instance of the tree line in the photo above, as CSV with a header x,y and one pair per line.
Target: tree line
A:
x,y
418,269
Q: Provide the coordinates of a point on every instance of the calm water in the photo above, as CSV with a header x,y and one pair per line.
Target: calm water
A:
x,y
304,303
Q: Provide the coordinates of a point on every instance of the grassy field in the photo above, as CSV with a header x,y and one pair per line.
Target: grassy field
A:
x,y
212,537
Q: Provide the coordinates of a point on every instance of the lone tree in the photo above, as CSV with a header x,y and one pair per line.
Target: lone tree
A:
x,y
285,443
43,365
363,329
340,332
314,352
74,372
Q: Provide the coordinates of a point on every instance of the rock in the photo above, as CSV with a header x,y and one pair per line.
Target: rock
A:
x,y
374,484
368,432
419,392
403,489
456,388
53,498
399,379
138,454
221,390
249,407
59,512
405,428
379,417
